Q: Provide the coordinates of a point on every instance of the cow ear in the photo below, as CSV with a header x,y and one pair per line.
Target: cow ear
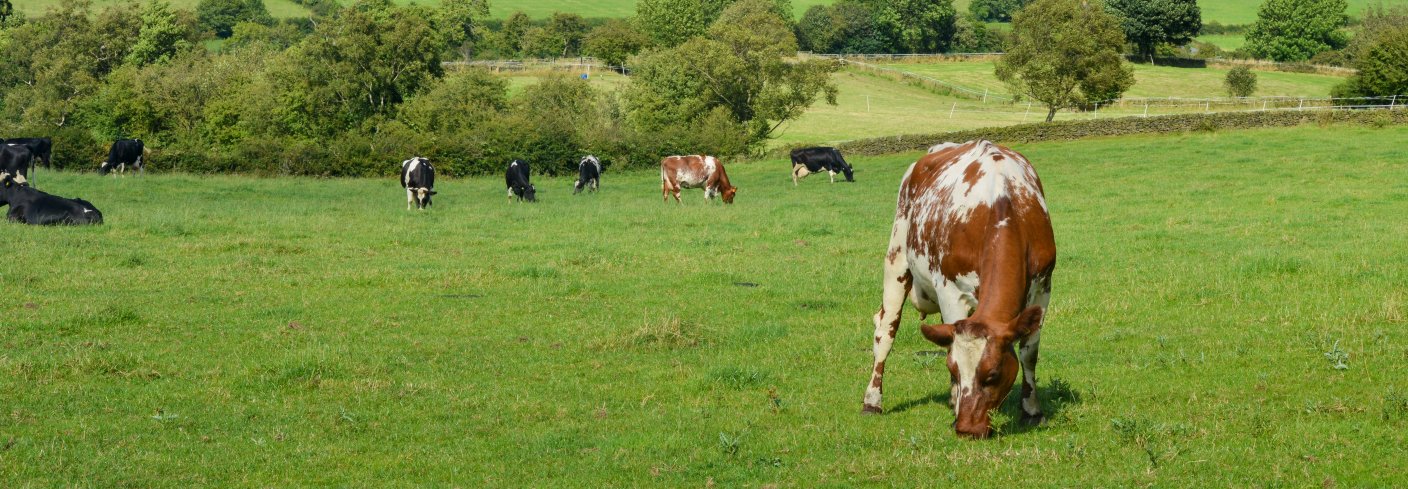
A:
x,y
940,334
432,192
1029,321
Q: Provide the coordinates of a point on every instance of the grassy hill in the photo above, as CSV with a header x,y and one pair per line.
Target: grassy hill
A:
x,y
312,332
1150,81
872,105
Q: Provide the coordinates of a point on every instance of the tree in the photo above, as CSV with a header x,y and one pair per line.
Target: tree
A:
x,y
1295,30
1149,23
1378,23
515,27
570,29
669,23
368,59
995,10
919,26
220,16
6,10
613,42
161,37
1240,82
1383,71
847,26
460,21
742,69
1066,53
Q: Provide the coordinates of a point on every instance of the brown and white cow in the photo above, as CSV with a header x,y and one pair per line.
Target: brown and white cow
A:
x,y
971,241
695,171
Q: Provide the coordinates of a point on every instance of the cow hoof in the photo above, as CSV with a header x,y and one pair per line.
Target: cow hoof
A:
x,y
1033,419
868,410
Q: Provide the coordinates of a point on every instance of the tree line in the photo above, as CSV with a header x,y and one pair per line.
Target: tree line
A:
x,y
362,87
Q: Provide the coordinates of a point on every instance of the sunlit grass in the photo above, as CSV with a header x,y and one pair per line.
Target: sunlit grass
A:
x,y
234,331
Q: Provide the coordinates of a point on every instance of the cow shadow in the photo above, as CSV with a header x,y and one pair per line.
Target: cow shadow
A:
x,y
1055,395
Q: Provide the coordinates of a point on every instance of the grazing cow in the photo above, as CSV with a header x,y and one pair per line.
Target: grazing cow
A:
x,y
122,153
418,178
588,174
967,215
695,171
806,161
30,206
16,160
42,148
517,179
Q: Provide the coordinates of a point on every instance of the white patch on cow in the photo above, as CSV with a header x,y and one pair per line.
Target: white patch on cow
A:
x,y
940,147
20,179
87,210
407,167
966,351
1003,222
952,196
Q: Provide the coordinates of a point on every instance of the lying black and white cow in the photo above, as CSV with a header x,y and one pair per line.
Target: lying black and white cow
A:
x,y
806,161
516,178
418,178
30,206
588,175
124,152
15,160
41,148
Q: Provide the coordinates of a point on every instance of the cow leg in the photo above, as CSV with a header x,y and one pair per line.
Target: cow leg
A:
x,y
1027,354
794,174
141,167
897,283
410,198
833,176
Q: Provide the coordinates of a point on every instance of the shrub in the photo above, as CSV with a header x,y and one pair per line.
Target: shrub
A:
x,y
1240,82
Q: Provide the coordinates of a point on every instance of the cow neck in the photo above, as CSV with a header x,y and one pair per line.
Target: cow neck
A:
x,y
1002,292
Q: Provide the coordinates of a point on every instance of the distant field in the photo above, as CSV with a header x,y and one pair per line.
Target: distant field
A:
x,y
1225,41
245,332
1150,81
1244,11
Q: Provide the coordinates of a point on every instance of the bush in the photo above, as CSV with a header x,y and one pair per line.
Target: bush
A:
x,y
1240,82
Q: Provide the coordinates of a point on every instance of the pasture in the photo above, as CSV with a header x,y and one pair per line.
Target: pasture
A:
x,y
1229,310
1149,80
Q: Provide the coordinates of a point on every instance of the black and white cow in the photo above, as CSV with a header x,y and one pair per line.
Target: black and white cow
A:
x,y
30,206
588,174
41,148
123,153
418,178
15,160
517,180
806,161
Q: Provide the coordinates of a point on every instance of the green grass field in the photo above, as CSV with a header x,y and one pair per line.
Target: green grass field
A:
x,y
1150,81
1225,41
234,331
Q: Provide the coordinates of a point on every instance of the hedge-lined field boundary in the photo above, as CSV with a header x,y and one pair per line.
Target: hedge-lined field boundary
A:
x,y
1071,130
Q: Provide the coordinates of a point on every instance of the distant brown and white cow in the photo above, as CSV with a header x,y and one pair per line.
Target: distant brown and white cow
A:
x,y
972,241
695,171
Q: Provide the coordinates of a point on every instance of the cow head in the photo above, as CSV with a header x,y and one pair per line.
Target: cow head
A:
x,y
982,364
728,194
850,173
530,193
423,197
105,167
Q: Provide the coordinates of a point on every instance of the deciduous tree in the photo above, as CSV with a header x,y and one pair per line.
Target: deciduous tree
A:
x,y
1066,53
1295,30
1149,23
